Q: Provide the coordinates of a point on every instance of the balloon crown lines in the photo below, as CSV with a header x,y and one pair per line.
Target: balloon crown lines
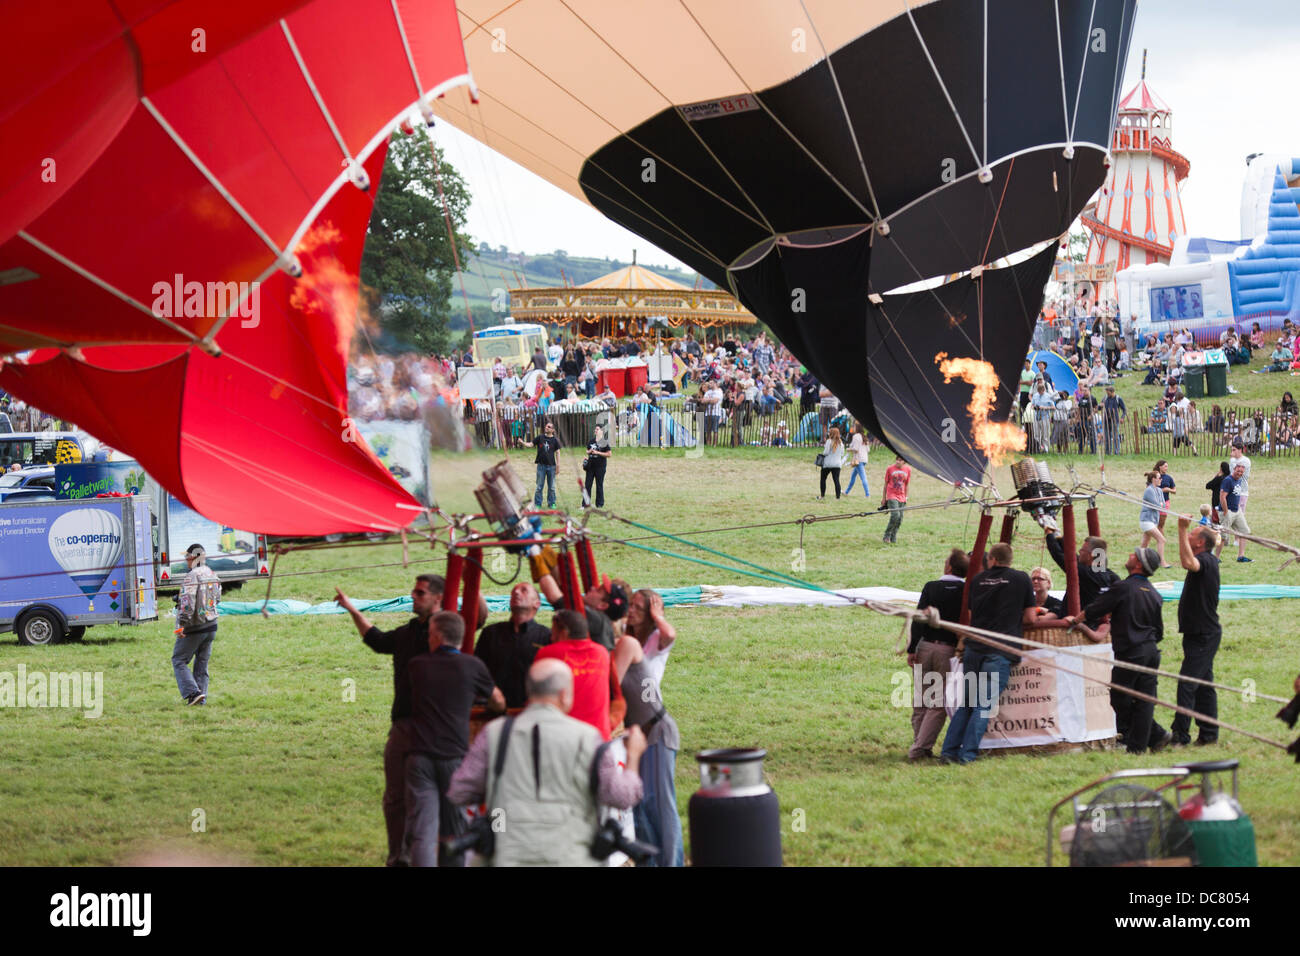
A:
x,y
192,299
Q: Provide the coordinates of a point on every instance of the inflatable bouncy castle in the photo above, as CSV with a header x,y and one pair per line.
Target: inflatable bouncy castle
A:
x,y
1211,285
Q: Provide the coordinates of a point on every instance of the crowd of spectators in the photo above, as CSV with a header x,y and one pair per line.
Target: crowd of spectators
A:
x,y
17,416
1096,346
733,385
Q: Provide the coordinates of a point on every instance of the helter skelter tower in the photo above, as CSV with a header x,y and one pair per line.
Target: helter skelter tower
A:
x,y
1138,215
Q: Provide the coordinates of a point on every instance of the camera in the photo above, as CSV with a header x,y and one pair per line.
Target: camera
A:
x,y
610,838
479,838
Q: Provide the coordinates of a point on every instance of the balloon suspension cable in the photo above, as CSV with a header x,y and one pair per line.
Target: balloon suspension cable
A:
x,y
451,234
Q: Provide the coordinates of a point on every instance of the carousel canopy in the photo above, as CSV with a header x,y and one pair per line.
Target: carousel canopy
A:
x,y
631,293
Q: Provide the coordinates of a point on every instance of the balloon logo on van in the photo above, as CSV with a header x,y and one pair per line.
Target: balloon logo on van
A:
x,y
87,543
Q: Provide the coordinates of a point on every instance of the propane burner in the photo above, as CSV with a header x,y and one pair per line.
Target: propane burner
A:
x,y
503,497
1033,479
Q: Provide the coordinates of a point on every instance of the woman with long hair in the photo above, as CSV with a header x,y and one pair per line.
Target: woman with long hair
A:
x,y
640,659
859,448
594,464
1215,424
1167,488
569,368
832,461
1153,507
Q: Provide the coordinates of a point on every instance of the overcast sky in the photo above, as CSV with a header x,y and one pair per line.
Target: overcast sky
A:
x,y
1227,70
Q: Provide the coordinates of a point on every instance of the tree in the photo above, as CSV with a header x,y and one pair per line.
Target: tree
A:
x,y
1077,243
408,267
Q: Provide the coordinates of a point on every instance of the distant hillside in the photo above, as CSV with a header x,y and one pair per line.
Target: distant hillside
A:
x,y
490,270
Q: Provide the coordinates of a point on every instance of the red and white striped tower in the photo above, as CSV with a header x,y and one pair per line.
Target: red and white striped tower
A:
x,y
1138,215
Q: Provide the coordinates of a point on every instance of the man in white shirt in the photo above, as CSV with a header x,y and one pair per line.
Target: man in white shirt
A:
x,y
1238,457
513,386
1099,375
711,402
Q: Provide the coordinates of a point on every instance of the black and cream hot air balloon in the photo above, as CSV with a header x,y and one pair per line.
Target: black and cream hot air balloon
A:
x,y
852,170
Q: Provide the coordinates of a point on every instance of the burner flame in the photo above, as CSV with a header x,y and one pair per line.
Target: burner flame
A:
x,y
997,440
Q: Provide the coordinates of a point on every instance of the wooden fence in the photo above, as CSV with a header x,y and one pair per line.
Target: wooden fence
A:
x,y
1264,432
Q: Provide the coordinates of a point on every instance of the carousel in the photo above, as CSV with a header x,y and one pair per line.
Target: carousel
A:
x,y
624,302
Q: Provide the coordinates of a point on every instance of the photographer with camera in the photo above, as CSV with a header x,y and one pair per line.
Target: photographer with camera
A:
x,y
543,777
594,464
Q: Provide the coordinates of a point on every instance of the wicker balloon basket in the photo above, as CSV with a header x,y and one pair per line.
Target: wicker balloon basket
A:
x,y
1058,637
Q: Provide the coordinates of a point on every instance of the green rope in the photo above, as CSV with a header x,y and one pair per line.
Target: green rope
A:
x,y
788,579
722,567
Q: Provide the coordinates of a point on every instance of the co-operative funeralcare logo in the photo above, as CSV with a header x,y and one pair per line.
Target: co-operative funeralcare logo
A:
x,y
106,537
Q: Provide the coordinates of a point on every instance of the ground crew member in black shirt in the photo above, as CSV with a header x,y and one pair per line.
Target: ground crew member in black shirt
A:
x,y
508,647
547,447
1136,628
405,642
1198,619
930,652
444,685
1094,574
1001,601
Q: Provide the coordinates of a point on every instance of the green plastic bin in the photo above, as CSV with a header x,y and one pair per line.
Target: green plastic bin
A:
x,y
1216,378
1194,381
1224,842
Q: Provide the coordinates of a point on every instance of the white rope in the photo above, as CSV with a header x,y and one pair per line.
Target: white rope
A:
x,y
406,48
986,83
48,342
358,175
620,132
689,125
942,86
284,258
844,107
1000,647
1139,668
881,381
1060,58
1217,528
1083,68
958,326
766,109
209,340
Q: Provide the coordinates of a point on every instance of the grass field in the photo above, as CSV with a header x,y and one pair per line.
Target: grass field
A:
x,y
281,768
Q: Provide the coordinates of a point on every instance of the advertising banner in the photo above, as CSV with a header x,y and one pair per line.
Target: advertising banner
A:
x,y
229,550
403,448
70,556
1044,705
